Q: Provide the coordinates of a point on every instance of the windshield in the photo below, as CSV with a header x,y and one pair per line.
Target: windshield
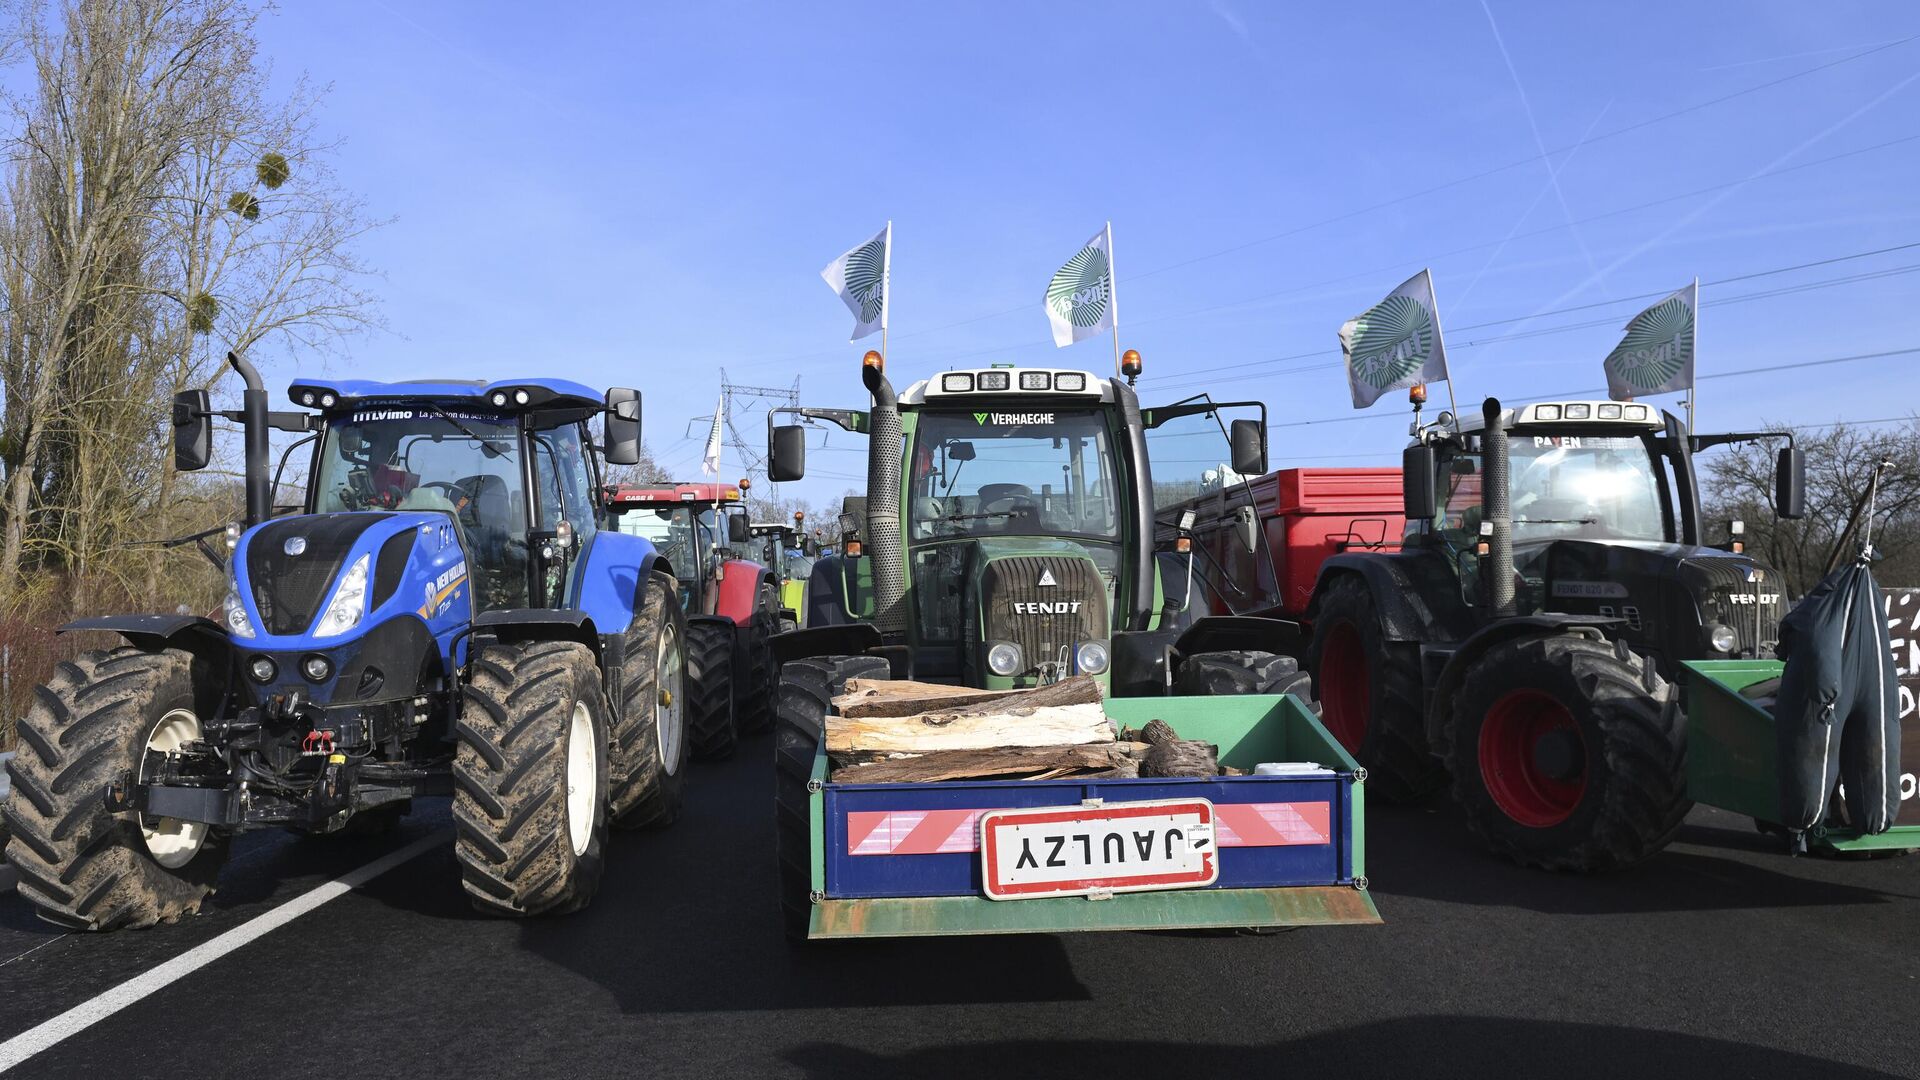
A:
x,y
466,465
670,527
1029,473
1586,486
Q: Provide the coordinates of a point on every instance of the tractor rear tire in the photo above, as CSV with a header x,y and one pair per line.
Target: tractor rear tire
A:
x,y
1370,694
805,694
530,779
89,725
649,751
1565,755
1221,673
710,720
754,698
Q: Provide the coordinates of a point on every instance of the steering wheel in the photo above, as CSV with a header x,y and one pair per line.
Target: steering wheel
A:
x,y
463,499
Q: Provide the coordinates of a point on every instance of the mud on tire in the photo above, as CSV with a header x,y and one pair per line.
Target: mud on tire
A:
x,y
1629,797
649,751
80,865
516,838
805,693
710,721
1370,693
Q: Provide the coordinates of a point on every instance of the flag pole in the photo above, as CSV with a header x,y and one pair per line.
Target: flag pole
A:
x,y
1440,336
1113,297
1696,355
886,290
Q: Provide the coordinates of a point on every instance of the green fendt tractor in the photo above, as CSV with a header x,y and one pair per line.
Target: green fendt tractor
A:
x,y
1006,540
1008,537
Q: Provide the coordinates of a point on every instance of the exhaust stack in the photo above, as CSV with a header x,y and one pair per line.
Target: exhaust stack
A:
x,y
883,534
1497,511
255,427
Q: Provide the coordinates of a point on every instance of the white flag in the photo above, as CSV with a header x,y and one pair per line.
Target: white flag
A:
x,y
1656,356
710,462
861,278
1080,300
1395,343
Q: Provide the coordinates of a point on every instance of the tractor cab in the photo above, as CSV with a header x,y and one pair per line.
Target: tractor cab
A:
x,y
1007,535
1605,520
698,526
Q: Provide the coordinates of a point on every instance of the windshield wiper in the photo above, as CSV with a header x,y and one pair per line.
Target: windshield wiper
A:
x,y
986,514
1556,521
486,447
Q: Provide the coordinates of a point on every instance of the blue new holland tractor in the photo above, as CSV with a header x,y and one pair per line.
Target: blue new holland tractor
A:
x,y
449,613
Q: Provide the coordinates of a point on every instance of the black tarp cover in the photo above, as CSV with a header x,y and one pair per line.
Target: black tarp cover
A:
x,y
1838,711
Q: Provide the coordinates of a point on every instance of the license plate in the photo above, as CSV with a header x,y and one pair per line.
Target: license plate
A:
x,y
1089,850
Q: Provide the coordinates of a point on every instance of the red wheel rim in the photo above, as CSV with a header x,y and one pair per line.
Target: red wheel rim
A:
x,y
1346,698
1509,766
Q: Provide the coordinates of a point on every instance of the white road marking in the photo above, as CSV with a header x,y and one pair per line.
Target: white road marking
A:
x,y
86,1014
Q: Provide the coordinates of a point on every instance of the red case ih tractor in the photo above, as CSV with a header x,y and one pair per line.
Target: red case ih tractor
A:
x,y
732,604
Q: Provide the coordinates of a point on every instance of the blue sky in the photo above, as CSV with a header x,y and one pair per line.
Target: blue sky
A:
x,y
644,194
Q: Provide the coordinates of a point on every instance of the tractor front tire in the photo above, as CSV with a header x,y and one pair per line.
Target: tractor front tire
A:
x,y
1370,695
804,696
1565,755
753,701
1220,673
649,749
710,723
530,779
90,725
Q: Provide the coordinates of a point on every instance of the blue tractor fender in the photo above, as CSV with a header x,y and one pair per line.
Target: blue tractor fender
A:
x,y
611,578
1462,659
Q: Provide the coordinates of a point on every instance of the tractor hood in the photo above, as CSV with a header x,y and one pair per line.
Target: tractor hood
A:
x,y
1672,597
1049,597
355,589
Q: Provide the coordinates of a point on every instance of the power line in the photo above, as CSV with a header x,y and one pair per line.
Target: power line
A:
x,y
1470,248
1737,373
1186,381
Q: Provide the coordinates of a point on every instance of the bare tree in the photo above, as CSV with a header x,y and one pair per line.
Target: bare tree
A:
x,y
163,207
1840,466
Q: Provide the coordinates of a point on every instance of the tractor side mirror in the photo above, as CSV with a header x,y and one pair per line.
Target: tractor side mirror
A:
x,y
1249,447
1416,482
620,434
192,430
1790,483
738,530
787,453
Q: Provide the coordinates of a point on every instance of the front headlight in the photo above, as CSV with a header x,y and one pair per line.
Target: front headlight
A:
x,y
1090,658
1004,659
1722,639
349,604
233,609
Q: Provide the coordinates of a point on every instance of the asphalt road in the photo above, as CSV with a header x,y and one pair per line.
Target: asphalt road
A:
x,y
1720,958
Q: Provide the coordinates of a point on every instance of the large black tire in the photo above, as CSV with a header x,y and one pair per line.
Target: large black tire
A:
x,y
649,749
753,698
519,846
1218,673
710,720
1566,756
1370,694
89,725
806,691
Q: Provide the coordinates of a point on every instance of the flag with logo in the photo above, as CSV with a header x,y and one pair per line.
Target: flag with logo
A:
x,y
1080,300
710,461
1656,356
860,278
1395,343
